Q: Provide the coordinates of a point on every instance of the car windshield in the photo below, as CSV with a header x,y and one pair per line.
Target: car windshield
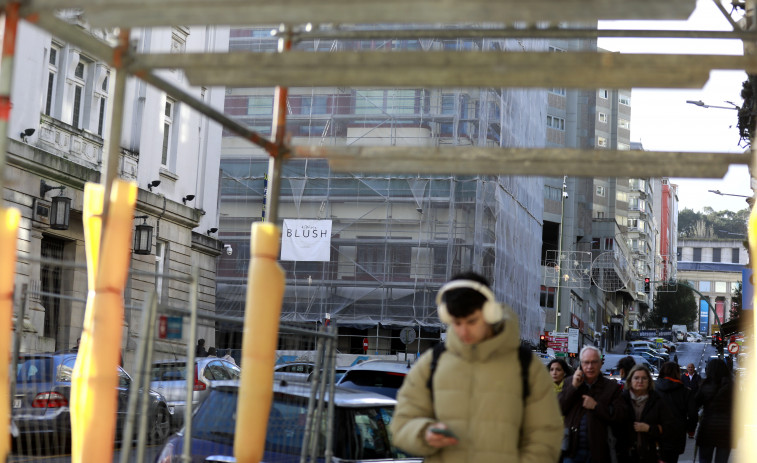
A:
x,y
370,378
168,372
35,370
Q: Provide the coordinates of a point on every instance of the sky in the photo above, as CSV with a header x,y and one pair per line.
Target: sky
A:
x,y
662,120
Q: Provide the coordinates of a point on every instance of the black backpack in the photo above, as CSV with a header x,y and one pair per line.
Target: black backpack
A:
x,y
524,355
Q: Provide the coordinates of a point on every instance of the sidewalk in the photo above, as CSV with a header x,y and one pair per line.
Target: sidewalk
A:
x,y
620,348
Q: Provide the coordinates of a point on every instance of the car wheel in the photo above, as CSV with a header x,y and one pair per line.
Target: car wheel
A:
x,y
161,426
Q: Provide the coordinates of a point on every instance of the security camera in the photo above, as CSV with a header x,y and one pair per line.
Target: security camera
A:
x,y
564,194
228,249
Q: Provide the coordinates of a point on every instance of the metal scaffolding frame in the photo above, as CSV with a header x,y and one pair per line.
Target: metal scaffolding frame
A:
x,y
428,69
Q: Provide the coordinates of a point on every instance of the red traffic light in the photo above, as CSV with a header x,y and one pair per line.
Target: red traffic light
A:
x,y
646,280
542,337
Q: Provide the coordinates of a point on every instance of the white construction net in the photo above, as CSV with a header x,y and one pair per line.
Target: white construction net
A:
x,y
395,239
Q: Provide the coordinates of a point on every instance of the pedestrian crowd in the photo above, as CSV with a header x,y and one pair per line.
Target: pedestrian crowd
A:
x,y
479,397
642,420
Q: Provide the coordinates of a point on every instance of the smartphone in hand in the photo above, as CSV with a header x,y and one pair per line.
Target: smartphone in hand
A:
x,y
444,432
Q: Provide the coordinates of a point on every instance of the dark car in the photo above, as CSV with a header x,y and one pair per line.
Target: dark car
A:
x,y
360,427
380,376
40,408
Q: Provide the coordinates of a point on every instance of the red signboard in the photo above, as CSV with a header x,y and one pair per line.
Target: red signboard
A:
x,y
558,342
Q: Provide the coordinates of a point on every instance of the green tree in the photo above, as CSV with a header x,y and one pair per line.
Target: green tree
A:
x,y
674,301
712,224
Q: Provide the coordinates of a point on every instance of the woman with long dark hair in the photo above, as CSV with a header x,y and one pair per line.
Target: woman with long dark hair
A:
x,y
715,396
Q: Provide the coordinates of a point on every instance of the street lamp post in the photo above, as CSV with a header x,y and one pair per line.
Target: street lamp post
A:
x,y
702,104
559,251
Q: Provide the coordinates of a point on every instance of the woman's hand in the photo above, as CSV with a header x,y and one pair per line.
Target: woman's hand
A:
x,y
640,427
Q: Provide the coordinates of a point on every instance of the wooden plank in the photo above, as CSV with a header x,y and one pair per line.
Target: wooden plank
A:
x,y
523,161
137,13
446,69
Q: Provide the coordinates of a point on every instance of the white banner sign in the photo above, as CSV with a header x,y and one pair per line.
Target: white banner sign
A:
x,y
306,240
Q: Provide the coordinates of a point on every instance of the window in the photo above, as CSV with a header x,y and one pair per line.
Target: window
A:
x,y
547,297
624,146
721,287
704,286
697,255
602,117
448,104
101,117
603,93
602,142
317,104
624,100
601,191
624,124
261,105
600,214
52,79
716,254
552,193
168,114
557,123
735,255
76,116
558,91
633,224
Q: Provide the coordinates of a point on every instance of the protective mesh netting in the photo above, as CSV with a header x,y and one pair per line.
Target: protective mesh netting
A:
x,y
395,238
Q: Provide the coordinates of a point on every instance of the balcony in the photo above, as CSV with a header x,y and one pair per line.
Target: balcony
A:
x,y
76,145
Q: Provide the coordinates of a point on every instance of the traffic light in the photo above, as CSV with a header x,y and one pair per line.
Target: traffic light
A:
x,y
646,285
720,343
543,343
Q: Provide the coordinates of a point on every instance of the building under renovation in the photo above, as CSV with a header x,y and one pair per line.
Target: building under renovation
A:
x,y
394,239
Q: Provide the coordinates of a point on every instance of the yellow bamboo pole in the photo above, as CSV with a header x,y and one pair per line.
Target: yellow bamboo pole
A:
x,y
746,400
94,380
265,292
9,220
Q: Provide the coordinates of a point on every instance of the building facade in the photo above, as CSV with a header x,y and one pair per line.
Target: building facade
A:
x,y
713,268
58,136
395,239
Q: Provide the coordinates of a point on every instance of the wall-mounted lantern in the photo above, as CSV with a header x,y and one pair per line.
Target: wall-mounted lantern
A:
x,y
60,208
143,237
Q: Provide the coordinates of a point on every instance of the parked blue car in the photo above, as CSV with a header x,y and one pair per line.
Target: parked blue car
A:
x,y
40,412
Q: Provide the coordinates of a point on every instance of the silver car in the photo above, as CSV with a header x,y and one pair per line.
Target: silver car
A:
x,y
169,377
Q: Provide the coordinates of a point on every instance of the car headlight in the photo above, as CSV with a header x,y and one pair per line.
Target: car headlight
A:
x,y
166,455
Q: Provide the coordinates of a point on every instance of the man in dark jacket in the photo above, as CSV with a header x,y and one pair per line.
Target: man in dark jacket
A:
x,y
691,379
591,404
680,402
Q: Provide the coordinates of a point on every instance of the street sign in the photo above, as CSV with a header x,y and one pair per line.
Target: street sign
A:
x,y
407,335
733,348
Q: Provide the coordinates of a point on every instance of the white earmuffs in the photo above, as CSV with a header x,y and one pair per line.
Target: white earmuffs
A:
x,y
491,309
